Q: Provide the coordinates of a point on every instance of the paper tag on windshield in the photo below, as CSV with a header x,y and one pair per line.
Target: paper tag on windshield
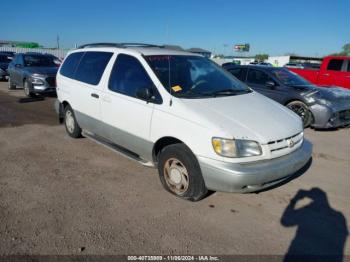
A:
x,y
176,88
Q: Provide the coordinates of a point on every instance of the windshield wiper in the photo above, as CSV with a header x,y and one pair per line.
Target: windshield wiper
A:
x,y
229,92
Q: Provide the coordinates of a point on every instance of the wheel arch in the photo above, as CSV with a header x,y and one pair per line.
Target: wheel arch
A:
x,y
162,143
301,101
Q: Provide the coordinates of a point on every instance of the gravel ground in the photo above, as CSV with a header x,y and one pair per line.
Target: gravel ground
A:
x,y
64,196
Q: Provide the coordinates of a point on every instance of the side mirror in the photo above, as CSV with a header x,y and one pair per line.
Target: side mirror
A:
x,y
145,93
270,84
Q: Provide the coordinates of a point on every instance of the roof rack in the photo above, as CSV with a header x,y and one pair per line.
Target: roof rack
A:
x,y
119,45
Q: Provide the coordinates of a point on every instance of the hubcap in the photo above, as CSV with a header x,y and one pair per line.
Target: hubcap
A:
x,y
9,83
176,176
26,89
69,121
300,110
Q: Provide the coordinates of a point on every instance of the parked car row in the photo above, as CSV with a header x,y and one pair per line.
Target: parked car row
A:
x,y
5,60
203,127
318,107
181,113
34,72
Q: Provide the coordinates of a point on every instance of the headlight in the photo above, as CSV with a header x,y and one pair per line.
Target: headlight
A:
x,y
236,147
310,99
37,81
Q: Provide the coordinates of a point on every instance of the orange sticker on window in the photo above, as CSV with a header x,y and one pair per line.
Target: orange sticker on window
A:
x,y
176,88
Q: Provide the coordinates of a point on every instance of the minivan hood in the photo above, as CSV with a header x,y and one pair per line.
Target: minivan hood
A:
x,y
42,70
249,116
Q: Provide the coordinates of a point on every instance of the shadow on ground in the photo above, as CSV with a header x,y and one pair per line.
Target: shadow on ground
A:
x,y
321,230
18,111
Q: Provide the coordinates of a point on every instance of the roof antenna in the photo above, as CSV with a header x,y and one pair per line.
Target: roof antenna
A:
x,y
169,82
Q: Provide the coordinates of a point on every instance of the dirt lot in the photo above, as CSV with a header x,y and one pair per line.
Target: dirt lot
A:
x,y
64,196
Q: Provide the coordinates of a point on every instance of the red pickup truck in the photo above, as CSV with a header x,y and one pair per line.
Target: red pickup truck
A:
x,y
334,71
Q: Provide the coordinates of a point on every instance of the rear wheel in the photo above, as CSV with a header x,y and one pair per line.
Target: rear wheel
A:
x,y
28,89
71,124
11,86
180,173
302,110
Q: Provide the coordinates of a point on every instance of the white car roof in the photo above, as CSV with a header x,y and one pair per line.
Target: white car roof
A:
x,y
147,51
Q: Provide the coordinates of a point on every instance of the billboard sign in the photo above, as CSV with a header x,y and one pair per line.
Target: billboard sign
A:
x,y
241,47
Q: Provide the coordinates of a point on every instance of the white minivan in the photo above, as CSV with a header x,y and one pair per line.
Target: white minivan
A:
x,y
181,113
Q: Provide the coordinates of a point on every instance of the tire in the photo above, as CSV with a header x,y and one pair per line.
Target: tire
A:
x,y
180,174
11,86
27,89
71,124
302,110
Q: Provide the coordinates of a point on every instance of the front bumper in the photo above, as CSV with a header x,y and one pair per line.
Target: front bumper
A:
x,y
330,116
250,177
43,89
3,74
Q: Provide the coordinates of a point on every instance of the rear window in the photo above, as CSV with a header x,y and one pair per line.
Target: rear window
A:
x,y
70,64
335,64
92,66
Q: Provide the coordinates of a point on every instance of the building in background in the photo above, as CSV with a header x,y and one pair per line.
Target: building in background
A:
x,y
282,60
240,60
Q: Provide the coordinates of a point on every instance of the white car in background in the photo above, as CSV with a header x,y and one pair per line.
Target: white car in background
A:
x,y
181,113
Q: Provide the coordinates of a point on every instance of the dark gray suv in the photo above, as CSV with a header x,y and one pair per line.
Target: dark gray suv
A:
x,y
36,73
319,107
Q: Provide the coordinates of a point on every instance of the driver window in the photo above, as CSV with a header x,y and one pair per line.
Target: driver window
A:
x,y
128,75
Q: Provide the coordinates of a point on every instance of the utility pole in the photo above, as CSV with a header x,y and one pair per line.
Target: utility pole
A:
x,y
58,41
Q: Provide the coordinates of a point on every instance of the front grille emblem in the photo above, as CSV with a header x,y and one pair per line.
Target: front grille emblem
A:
x,y
290,143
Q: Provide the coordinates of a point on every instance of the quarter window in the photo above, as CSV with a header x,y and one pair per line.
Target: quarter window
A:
x,y
335,64
92,66
70,64
348,66
128,75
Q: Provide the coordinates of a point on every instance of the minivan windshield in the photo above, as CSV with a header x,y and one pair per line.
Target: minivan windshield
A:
x,y
194,77
39,61
288,78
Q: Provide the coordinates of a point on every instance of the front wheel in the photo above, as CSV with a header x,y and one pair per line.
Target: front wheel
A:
x,y
11,85
28,89
180,173
301,110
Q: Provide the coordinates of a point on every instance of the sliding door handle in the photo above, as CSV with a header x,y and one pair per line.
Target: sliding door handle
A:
x,y
95,95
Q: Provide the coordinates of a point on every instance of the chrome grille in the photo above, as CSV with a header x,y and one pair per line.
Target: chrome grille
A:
x,y
285,145
51,80
344,116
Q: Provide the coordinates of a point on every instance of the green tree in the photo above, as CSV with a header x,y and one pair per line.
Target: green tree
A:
x,y
344,52
346,48
261,57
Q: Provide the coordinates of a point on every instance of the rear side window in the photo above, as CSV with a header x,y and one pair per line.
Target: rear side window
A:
x,y
92,66
239,73
128,75
348,66
335,64
258,77
70,64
